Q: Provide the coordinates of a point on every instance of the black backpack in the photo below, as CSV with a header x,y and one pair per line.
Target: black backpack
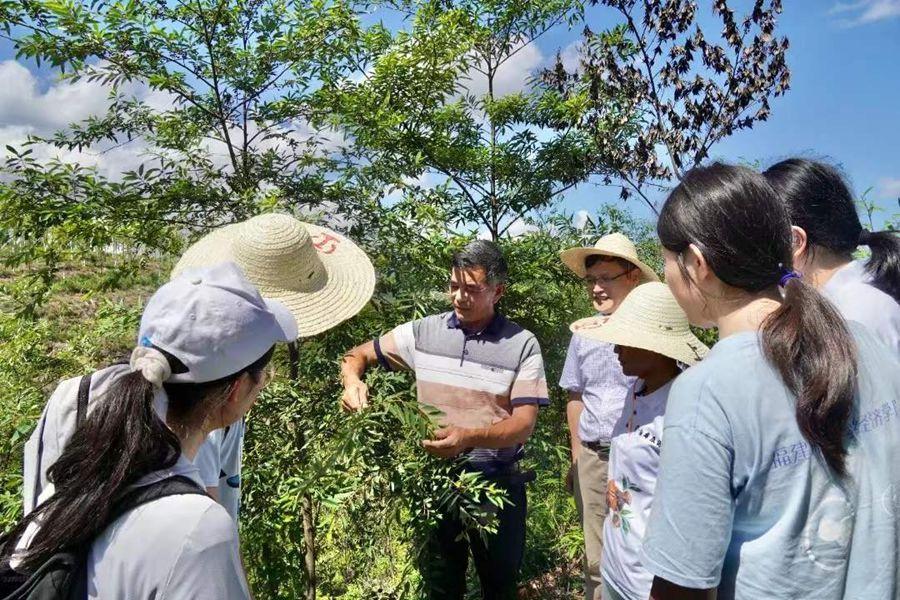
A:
x,y
64,575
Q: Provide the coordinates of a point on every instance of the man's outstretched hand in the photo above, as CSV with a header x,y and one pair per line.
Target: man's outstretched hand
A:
x,y
448,442
356,396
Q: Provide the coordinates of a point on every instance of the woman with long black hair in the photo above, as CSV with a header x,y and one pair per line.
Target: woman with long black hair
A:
x,y
827,231
778,475
205,341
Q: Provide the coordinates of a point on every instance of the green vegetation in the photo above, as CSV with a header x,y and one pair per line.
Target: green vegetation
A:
x,y
373,490
403,136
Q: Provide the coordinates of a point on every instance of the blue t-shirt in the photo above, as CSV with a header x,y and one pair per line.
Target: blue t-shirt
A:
x,y
744,503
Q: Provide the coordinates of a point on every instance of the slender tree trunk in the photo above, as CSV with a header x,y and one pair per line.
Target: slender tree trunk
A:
x,y
306,502
495,219
309,538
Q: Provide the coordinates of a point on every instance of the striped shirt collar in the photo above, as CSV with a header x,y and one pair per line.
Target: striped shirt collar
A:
x,y
494,327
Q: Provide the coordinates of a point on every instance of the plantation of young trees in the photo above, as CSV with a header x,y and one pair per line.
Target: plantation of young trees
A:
x,y
388,121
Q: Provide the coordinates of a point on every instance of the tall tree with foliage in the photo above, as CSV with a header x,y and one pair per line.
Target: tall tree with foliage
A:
x,y
687,87
240,76
416,113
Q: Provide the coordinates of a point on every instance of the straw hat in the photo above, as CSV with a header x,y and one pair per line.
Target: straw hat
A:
x,y
322,277
613,244
649,318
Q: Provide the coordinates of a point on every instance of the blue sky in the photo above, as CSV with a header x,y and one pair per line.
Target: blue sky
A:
x,y
844,103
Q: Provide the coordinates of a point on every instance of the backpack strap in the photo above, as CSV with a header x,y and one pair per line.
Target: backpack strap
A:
x,y
84,389
177,485
37,463
64,575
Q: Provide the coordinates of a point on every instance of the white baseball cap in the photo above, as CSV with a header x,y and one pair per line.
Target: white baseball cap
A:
x,y
214,321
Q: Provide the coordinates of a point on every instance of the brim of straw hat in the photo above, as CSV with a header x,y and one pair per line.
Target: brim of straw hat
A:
x,y
348,286
683,347
574,259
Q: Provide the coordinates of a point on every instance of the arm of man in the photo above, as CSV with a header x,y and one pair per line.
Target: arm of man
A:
x,y
574,407
572,380
353,367
394,351
451,441
666,590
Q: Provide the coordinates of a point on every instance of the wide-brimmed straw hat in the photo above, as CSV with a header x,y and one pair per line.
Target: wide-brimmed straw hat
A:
x,y
321,276
649,318
613,244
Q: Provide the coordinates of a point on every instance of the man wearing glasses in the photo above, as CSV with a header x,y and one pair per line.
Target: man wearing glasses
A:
x,y
597,387
486,375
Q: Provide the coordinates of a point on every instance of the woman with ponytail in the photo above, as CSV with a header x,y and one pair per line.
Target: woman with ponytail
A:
x,y
778,476
205,340
827,232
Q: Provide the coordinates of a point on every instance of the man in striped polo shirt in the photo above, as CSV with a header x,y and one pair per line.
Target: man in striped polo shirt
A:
x,y
486,375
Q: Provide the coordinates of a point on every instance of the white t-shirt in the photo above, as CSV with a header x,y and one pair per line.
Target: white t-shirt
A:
x,y
219,461
172,548
851,290
176,547
641,409
633,469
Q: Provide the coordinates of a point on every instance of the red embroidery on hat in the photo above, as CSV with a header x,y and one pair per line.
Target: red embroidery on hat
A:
x,y
327,244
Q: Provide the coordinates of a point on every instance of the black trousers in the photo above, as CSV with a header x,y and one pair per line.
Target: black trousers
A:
x,y
497,558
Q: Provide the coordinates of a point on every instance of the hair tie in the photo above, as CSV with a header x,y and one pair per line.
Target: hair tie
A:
x,y
152,364
865,236
788,275
154,367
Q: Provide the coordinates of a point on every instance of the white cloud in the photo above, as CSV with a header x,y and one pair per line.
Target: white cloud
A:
x,y
427,180
327,214
581,219
571,55
520,228
888,187
27,110
22,103
865,11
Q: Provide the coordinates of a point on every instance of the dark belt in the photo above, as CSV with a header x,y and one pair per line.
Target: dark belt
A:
x,y
511,475
596,446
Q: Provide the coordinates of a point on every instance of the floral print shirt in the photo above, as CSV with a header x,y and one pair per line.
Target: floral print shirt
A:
x,y
633,469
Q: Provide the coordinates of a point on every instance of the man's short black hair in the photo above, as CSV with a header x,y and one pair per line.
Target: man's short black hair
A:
x,y
484,254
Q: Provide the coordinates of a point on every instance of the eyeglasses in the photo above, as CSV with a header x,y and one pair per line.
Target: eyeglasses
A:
x,y
592,281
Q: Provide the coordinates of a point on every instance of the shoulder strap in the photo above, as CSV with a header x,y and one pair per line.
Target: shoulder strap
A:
x,y
176,485
84,388
36,490
66,571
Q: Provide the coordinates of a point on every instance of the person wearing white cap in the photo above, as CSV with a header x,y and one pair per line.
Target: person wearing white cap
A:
x,y
205,340
321,276
597,387
652,340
